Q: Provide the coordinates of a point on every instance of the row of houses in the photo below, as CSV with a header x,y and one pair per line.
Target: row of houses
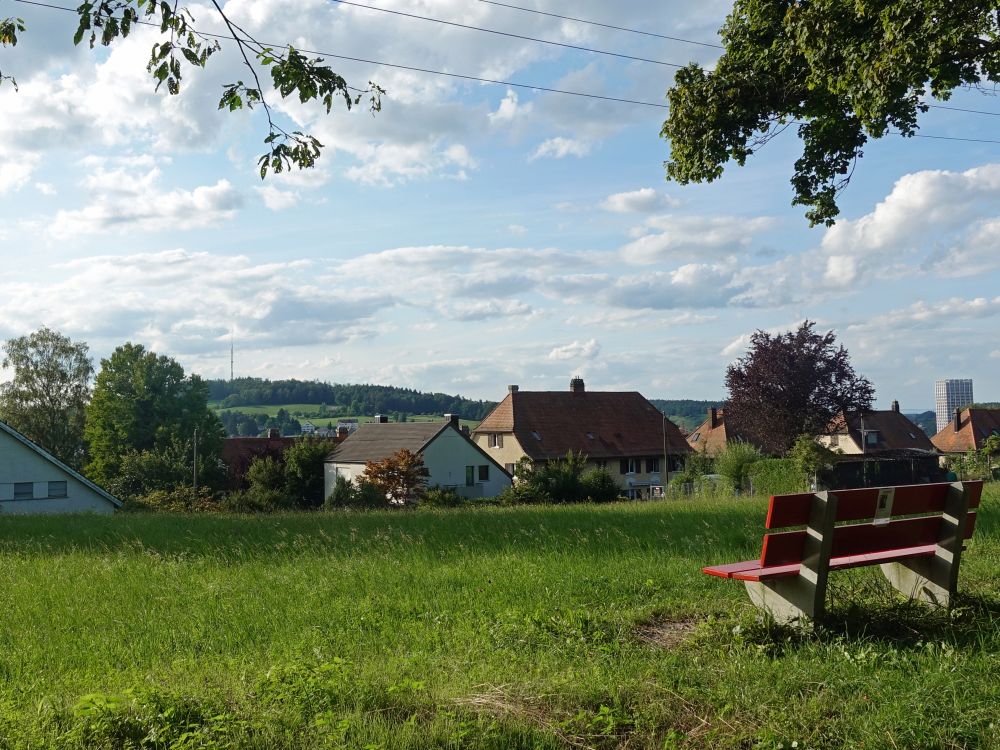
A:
x,y
621,432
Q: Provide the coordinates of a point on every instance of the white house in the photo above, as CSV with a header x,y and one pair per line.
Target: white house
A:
x,y
451,458
34,481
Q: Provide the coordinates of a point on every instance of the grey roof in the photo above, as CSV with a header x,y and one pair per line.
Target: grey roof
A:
x,y
375,441
52,459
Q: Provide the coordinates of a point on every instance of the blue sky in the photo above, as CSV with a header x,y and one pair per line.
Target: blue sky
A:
x,y
470,236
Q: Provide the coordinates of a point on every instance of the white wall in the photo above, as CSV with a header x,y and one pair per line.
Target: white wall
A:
x,y
19,463
446,458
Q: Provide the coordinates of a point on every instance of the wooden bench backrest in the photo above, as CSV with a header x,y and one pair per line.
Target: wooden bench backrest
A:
x,y
927,501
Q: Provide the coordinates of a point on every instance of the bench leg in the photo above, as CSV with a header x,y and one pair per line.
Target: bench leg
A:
x,y
935,579
803,597
789,601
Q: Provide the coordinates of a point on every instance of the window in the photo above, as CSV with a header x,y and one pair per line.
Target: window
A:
x,y
470,476
631,465
484,473
24,490
871,437
695,437
509,468
495,440
57,489
623,466
652,465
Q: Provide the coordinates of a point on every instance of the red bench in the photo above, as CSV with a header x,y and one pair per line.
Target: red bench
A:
x,y
916,533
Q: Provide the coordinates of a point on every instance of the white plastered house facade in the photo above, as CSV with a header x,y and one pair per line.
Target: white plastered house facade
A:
x,y
452,460
34,481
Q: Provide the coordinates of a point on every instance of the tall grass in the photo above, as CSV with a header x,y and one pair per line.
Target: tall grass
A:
x,y
583,626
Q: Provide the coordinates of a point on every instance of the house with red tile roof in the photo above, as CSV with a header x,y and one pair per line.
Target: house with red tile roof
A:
x,y
967,430
713,435
616,430
880,448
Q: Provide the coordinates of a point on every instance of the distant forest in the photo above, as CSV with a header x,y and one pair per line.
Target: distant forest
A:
x,y
342,399
685,412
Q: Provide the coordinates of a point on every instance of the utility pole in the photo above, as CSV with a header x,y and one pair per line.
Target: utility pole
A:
x,y
195,463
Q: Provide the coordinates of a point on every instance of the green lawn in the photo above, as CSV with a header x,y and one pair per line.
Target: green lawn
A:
x,y
531,627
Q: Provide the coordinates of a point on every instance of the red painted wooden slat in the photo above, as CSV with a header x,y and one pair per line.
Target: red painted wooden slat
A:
x,y
726,571
838,563
785,547
859,504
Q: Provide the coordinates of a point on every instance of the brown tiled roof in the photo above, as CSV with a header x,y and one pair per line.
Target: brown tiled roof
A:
x,y
975,425
896,432
600,424
239,452
712,440
375,441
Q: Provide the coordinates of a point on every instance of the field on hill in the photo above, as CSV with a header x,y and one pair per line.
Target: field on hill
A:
x,y
526,627
316,414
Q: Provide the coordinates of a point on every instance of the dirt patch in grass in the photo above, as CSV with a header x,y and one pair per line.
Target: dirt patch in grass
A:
x,y
666,633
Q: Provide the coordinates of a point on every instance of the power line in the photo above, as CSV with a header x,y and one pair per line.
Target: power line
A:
x,y
604,25
513,84
413,68
577,47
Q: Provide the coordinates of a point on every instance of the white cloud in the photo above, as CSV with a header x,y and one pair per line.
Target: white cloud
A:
x,y
127,201
576,350
15,171
517,229
509,110
276,199
559,147
644,200
683,236
45,188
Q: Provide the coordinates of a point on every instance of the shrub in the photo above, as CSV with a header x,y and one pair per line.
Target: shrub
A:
x,y
346,494
777,476
303,471
735,461
599,486
443,497
176,500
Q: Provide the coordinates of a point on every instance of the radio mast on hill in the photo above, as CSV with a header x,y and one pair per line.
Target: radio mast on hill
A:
x,y
232,353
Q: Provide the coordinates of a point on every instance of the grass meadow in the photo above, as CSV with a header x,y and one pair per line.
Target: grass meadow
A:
x,y
526,627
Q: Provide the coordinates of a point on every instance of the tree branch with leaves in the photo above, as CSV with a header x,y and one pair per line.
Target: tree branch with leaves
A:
x,y
182,45
842,71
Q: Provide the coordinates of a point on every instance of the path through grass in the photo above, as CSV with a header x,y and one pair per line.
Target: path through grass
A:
x,y
582,626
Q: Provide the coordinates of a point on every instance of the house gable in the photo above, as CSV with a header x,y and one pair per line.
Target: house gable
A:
x,y
32,480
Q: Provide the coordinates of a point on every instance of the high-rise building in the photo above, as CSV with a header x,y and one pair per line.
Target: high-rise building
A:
x,y
948,396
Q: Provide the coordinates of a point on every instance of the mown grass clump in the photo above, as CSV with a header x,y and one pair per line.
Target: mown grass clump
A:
x,y
524,627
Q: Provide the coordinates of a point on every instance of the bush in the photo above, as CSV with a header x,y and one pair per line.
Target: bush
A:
x,y
442,497
346,494
597,485
303,471
176,500
256,500
777,476
735,461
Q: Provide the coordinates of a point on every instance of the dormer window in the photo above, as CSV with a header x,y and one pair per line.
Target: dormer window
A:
x,y
871,437
696,437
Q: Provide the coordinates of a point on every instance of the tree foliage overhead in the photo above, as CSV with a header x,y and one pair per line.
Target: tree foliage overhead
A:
x,y
840,71
790,384
145,402
46,398
182,47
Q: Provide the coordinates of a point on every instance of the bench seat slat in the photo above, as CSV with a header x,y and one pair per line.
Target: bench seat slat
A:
x,y
726,571
836,563
859,504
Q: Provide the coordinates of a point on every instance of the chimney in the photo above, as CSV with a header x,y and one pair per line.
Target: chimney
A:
x,y
465,430
511,389
957,422
576,385
382,418
713,417
273,433
452,419
895,406
341,432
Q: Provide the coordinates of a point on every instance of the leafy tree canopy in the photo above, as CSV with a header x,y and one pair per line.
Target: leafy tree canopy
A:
x,y
791,384
144,402
182,47
400,477
841,71
46,398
